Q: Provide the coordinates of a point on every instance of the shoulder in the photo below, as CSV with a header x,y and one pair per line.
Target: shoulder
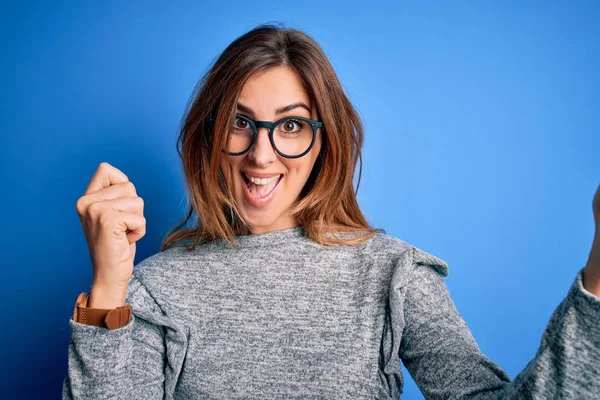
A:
x,y
404,254
155,262
161,269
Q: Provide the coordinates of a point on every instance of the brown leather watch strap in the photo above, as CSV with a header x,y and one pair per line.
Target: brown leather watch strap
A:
x,y
111,319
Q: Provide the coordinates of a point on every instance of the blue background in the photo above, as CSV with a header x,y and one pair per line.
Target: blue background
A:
x,y
481,148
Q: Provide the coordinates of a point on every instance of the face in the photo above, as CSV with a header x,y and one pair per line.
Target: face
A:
x,y
265,208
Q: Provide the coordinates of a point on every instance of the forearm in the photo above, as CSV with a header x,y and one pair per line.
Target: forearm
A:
x,y
98,362
123,363
591,271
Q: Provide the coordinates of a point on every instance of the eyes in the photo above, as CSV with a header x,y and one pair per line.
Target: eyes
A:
x,y
288,126
241,123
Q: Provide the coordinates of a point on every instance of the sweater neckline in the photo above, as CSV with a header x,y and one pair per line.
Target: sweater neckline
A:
x,y
271,238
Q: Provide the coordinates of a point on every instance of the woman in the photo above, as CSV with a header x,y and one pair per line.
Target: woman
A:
x,y
281,289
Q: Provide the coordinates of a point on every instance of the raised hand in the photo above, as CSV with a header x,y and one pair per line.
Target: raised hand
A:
x,y
112,216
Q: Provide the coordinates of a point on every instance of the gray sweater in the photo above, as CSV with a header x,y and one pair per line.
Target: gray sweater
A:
x,y
282,316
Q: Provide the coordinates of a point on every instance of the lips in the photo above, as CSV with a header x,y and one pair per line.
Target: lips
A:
x,y
258,201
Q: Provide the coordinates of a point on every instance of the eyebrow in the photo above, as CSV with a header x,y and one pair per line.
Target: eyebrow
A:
x,y
281,110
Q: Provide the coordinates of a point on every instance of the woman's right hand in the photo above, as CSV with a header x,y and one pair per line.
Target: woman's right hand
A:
x,y
112,216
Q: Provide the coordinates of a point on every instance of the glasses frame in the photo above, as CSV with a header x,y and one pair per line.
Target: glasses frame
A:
x,y
271,125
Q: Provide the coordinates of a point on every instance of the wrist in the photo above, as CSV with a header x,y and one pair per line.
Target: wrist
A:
x,y
107,297
591,271
590,282
113,318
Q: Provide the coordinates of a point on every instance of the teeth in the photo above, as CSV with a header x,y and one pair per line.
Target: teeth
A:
x,y
261,181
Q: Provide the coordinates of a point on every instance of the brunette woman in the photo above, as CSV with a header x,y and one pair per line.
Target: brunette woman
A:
x,y
280,288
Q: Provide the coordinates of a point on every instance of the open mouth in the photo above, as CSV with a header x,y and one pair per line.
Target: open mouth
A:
x,y
262,189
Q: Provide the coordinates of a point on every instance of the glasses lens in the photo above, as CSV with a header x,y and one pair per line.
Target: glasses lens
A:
x,y
293,136
240,135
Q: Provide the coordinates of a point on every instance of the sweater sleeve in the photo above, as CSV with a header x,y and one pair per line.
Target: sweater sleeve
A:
x,y
140,360
443,358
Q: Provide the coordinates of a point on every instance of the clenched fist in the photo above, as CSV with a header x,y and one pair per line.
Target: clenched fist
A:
x,y
112,216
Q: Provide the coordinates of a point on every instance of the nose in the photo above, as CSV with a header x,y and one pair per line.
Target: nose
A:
x,y
262,153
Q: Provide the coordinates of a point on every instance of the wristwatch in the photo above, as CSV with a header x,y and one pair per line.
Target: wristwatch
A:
x,y
111,319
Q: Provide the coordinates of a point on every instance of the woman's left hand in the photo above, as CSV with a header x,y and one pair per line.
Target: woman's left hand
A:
x,y
591,272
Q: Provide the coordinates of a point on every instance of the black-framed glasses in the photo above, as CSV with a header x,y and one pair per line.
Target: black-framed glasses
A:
x,y
291,137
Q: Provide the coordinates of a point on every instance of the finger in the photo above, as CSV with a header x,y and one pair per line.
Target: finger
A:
x,y
127,204
112,192
105,176
135,225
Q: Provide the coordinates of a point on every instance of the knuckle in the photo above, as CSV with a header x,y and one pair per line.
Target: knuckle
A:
x,y
93,210
80,206
130,186
104,219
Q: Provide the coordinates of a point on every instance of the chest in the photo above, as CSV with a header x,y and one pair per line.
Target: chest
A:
x,y
302,331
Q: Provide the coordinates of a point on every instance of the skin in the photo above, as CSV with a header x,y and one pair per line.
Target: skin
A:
x,y
263,94
591,271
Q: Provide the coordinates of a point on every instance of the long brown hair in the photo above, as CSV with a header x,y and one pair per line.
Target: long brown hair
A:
x,y
327,204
